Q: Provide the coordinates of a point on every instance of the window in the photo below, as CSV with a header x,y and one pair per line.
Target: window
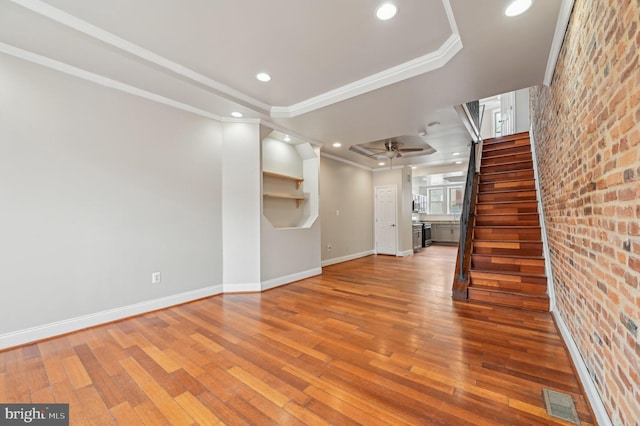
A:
x,y
456,195
440,194
436,201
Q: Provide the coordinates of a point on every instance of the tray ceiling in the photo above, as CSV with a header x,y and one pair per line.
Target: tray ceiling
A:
x,y
338,73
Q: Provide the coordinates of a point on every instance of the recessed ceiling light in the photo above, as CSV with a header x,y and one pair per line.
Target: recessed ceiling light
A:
x,y
381,164
414,167
456,153
237,114
287,138
337,144
263,76
458,162
517,7
386,11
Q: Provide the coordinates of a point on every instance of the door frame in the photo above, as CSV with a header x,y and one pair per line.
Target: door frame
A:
x,y
375,217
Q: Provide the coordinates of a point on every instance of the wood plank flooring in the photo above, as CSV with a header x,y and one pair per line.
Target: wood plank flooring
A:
x,y
375,341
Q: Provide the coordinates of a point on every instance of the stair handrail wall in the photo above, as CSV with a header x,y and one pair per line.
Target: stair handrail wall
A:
x,y
472,115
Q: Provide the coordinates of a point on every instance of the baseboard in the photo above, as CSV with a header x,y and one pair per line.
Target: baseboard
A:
x,y
347,257
21,337
588,384
241,288
275,282
405,253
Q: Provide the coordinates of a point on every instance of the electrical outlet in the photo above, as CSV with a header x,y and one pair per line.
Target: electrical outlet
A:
x,y
155,278
329,247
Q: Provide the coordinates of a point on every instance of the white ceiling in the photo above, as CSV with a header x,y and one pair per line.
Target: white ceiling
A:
x,y
338,73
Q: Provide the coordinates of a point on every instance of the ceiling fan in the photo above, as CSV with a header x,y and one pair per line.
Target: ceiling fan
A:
x,y
392,149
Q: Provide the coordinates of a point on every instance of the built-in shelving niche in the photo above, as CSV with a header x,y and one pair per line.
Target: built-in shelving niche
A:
x,y
290,174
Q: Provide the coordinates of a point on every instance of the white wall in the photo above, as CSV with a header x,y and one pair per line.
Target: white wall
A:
x,y
289,254
98,189
280,157
346,210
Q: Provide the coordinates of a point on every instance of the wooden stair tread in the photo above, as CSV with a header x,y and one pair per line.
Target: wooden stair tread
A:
x,y
506,138
505,202
515,273
507,226
507,242
511,256
490,149
499,290
529,179
510,163
502,172
494,157
505,191
505,214
511,297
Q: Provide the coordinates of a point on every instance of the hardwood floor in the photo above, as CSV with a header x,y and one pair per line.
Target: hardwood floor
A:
x,y
374,341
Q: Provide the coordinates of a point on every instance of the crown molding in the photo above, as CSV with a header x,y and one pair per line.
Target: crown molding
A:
x,y
103,81
114,84
412,68
558,39
98,33
404,71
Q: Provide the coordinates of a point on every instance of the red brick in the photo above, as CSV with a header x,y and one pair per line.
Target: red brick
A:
x,y
587,128
634,263
627,194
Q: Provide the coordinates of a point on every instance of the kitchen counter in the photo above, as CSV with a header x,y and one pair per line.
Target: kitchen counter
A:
x,y
445,231
441,221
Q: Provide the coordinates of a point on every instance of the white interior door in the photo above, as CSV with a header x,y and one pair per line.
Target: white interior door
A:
x,y
386,216
507,113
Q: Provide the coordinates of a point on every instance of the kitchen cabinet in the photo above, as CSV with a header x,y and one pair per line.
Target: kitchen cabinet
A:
x,y
445,232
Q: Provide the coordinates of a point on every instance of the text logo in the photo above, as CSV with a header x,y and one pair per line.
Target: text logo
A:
x,y
34,414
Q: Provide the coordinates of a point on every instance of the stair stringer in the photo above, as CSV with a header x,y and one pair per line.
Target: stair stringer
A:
x,y
546,253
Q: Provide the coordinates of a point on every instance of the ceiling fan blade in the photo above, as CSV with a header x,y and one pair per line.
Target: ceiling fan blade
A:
x,y
410,149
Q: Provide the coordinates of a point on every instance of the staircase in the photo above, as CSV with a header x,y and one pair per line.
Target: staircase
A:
x,y
507,267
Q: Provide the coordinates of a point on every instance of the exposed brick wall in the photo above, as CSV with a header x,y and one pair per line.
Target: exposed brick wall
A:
x,y
587,135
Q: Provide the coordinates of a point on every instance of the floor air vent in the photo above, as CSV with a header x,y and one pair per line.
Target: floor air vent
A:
x,y
560,405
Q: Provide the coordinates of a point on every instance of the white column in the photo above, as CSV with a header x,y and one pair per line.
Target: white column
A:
x,y
241,203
